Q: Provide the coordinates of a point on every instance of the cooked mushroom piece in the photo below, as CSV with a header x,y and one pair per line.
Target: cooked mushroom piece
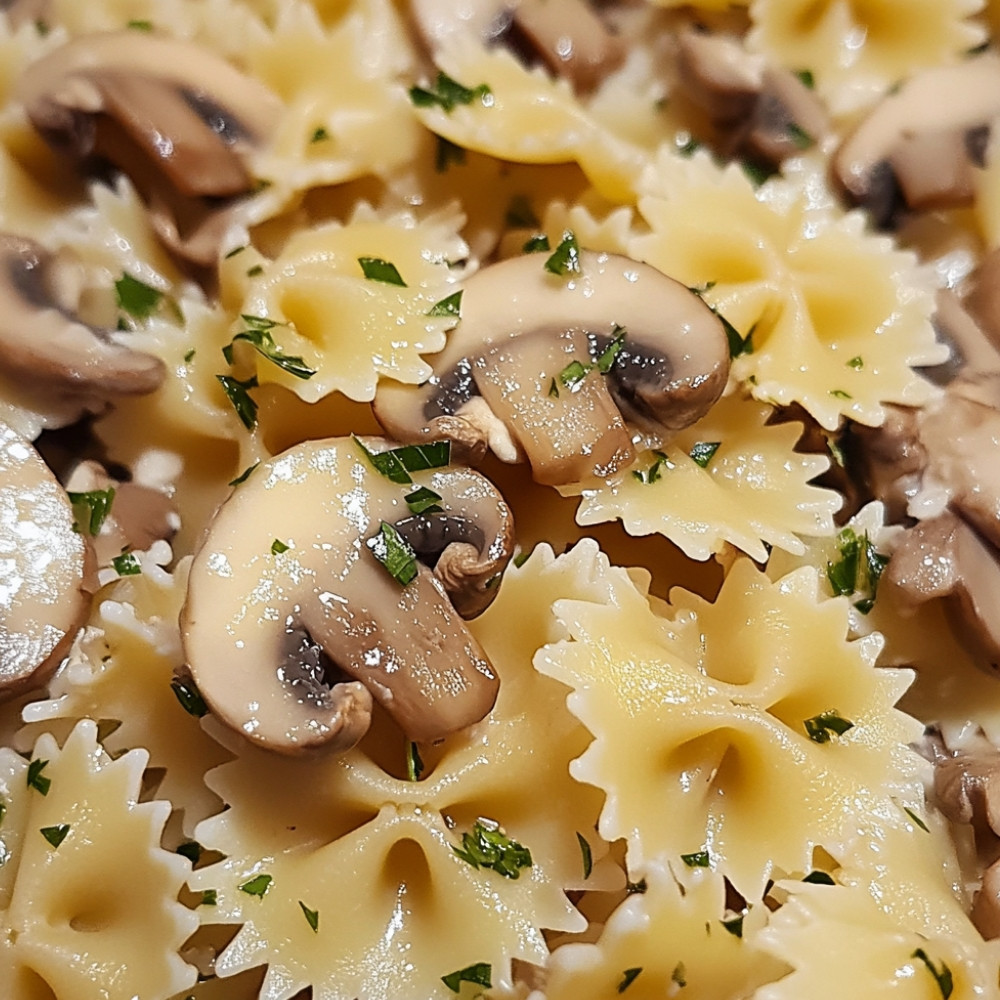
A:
x,y
44,568
549,367
44,344
177,119
917,149
973,349
982,299
297,614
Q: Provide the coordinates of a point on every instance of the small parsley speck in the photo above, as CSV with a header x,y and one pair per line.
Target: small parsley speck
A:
x,y
377,269
91,509
278,546
187,693
536,244
916,819
36,779
449,306
257,886
239,395
628,977
414,763
55,835
565,259
487,846
244,475
312,917
698,859
320,134
126,564
210,897
480,974
136,298
586,854
821,728
943,977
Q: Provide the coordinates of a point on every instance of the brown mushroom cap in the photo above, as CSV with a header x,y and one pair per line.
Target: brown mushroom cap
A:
x,y
499,381
289,647
44,564
45,345
176,118
922,141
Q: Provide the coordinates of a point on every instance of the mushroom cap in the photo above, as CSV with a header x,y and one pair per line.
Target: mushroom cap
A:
x,y
44,566
44,344
289,647
522,325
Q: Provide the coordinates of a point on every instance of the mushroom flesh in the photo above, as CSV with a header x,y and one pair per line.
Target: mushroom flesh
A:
x,y
177,119
292,624
550,366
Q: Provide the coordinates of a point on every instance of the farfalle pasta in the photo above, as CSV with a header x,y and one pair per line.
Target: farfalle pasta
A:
x,y
727,735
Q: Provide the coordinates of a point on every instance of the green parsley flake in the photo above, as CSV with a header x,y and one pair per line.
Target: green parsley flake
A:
x,y
414,763
278,546
942,977
234,252
757,173
140,25
3,810
137,298
191,850
36,779
587,855
244,475
734,925
609,356
738,344
262,340
639,888
255,271
565,258
257,886
423,501
520,214
447,153
687,146
55,835
187,693
312,917
91,509
320,134
397,463
703,451
376,269
450,306
447,94
801,139
679,975
395,553
916,819
841,394
126,564
481,974
857,363
210,897
487,846
821,728
239,396
806,76
819,878
628,977
652,474
553,389
537,244
189,355
858,570
573,374
699,859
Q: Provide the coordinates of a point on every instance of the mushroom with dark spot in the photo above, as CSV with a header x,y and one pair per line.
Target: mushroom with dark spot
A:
x,y
290,642
177,119
550,367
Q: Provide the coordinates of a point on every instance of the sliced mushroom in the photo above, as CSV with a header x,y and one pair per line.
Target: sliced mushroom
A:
x,y
917,149
180,121
44,344
289,646
520,373
973,350
718,73
982,299
967,788
44,568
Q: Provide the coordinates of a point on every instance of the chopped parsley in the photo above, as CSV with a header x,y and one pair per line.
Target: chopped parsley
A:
x,y
254,271
738,344
423,501
487,846
377,269
234,252
757,173
187,693
942,976
858,570
320,134
520,214
609,356
36,779
312,916
819,878
210,897
699,859
565,258
823,727
537,244
55,835
857,363
414,762
576,371
257,886
807,78
91,509
397,463
687,146
450,306
191,850
652,474
189,355
136,298
553,389
573,374
916,819
446,94
278,546
244,475
636,888
258,334
587,854
448,153
703,452
3,810
140,25
679,975
734,924
801,139
481,974
126,564
395,553
841,394
238,393
628,977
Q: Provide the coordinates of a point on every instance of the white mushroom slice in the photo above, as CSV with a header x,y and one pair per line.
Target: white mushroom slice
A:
x,y
718,73
289,645
43,344
974,349
180,121
44,564
982,298
953,107
671,366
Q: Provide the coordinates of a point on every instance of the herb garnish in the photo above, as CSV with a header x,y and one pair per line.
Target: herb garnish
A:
x,y
757,173
628,977
423,501
3,809
942,977
234,252
55,835
738,344
255,271
36,779
819,878
806,76
191,850
702,452
587,854
636,888
395,553
573,374
244,475
480,974
189,355
258,334
91,509
801,139
239,396
447,94
858,570
320,134
140,25
841,394
136,298
576,371
821,728
126,564
414,763
397,463
916,819
448,152
450,306
487,846
679,975
537,244
377,269
652,474
210,897
187,693
565,258
520,214
312,916
699,859
857,362
734,925
278,546
553,389
257,886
